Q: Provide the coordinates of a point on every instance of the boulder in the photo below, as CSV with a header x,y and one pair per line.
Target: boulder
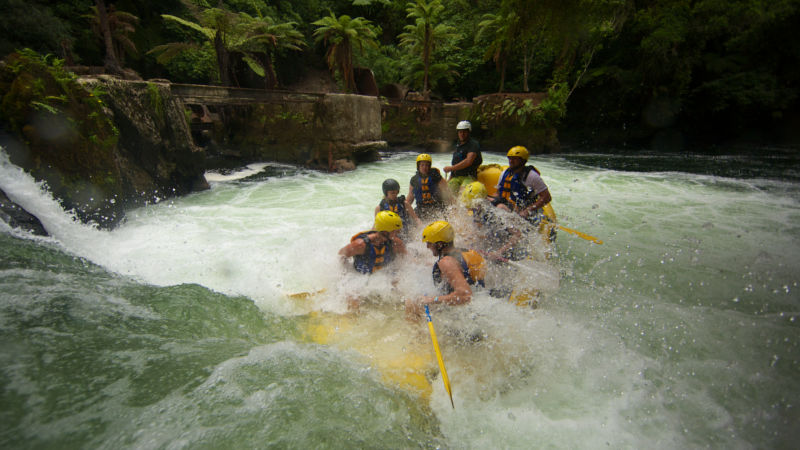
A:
x,y
16,217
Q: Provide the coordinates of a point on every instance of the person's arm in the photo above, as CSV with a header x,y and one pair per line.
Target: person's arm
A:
x,y
410,197
537,186
493,198
444,192
542,199
398,244
355,247
377,210
514,237
409,209
463,164
451,271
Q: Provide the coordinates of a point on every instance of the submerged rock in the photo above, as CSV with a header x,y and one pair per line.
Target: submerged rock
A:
x,y
16,217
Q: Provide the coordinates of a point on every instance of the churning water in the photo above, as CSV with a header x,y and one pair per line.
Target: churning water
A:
x,y
177,330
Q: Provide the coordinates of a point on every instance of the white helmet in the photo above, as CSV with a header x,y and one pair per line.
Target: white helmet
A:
x,y
464,125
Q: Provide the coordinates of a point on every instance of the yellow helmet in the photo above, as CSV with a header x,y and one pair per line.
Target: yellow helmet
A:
x,y
424,157
439,231
387,221
473,192
519,151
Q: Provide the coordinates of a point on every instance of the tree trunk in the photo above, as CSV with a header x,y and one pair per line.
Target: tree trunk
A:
x,y
502,74
347,67
426,62
223,60
526,68
66,51
110,61
270,78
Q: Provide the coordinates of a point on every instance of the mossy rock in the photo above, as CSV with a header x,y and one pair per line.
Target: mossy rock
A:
x,y
67,138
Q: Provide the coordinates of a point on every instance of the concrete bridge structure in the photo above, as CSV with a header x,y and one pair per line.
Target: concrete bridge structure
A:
x,y
313,129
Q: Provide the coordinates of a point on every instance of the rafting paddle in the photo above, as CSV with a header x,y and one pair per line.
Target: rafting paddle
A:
x,y
580,235
305,295
439,356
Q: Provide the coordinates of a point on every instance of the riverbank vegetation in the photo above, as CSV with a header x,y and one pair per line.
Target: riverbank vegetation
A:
x,y
615,71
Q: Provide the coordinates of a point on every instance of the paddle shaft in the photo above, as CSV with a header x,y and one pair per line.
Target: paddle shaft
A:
x,y
445,378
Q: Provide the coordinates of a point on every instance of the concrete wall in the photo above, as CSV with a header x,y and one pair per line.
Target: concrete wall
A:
x,y
427,124
236,126
431,124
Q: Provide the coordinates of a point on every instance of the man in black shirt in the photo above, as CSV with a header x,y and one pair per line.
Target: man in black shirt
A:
x,y
466,159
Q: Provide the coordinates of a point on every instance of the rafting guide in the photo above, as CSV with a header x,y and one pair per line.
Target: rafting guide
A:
x,y
466,158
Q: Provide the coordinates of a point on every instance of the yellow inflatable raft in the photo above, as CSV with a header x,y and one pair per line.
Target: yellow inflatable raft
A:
x,y
394,347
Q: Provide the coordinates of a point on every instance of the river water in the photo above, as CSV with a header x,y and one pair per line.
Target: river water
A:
x,y
177,329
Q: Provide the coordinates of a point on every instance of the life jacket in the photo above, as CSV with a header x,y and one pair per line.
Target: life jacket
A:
x,y
473,267
375,257
426,189
399,207
512,187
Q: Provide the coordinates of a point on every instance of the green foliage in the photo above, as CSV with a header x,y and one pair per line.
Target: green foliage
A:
x,y
31,24
44,106
385,62
255,38
290,116
720,65
421,38
553,107
715,62
194,64
341,35
65,126
155,100
121,25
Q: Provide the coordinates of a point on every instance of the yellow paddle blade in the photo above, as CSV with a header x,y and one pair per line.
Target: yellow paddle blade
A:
x,y
580,235
305,295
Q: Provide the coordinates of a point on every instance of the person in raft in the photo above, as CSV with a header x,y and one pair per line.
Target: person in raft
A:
x,y
497,239
466,158
373,250
520,188
453,273
394,203
428,189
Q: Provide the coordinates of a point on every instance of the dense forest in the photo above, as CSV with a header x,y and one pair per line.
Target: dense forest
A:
x,y
657,73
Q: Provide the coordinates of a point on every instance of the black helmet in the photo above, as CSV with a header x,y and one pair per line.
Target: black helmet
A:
x,y
390,184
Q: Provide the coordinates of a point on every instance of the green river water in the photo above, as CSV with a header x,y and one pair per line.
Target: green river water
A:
x,y
175,330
